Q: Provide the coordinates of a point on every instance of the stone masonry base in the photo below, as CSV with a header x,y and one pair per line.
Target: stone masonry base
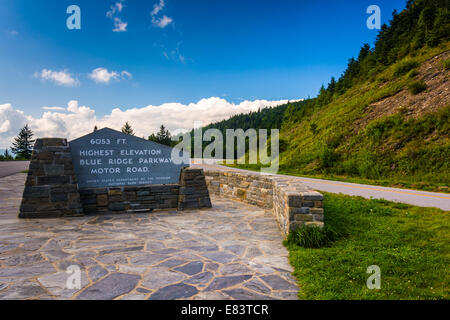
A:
x,y
51,186
194,192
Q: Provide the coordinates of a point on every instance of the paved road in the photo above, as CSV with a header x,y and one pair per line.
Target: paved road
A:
x,y
8,168
414,197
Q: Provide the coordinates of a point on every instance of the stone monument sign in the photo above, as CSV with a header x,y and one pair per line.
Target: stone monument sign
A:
x,y
109,171
109,158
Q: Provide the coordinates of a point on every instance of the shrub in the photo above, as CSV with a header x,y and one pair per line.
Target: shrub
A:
x,y
382,79
334,140
412,74
312,237
350,167
379,129
313,128
417,87
405,66
447,64
283,145
328,158
367,165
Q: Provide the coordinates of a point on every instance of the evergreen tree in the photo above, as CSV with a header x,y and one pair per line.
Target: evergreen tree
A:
x,y
332,85
23,143
163,136
6,156
153,138
427,18
441,28
127,129
364,52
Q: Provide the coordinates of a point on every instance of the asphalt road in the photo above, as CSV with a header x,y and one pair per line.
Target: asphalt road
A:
x,y
414,197
8,168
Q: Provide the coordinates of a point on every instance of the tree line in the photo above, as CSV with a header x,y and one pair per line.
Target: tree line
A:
x,y
163,136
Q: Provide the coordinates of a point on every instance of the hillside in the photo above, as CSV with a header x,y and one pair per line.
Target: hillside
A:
x,y
385,118
379,129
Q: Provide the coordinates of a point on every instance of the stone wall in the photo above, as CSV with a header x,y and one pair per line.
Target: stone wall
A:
x,y
51,186
190,193
292,203
129,198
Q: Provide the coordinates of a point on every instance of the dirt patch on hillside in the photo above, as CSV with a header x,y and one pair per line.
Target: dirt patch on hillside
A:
x,y
435,97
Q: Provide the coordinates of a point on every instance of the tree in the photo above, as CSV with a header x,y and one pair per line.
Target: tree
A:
x,y
153,138
163,136
332,85
23,143
441,28
127,129
364,52
6,156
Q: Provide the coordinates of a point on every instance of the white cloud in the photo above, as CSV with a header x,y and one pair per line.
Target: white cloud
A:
x,y
102,75
157,8
163,21
119,25
5,127
175,54
12,121
126,75
54,108
115,8
63,78
77,120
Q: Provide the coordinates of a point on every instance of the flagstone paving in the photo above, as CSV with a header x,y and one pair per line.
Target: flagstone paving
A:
x,y
232,251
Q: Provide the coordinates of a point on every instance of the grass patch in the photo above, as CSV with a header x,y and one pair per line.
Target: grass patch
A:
x,y
411,245
313,237
405,66
447,64
417,87
412,74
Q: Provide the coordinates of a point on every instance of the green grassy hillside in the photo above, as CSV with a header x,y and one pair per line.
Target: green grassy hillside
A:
x,y
378,129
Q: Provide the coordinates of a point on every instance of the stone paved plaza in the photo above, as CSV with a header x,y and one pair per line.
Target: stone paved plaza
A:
x,y
232,251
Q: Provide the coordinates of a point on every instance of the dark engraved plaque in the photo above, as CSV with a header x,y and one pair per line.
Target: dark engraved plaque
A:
x,y
108,158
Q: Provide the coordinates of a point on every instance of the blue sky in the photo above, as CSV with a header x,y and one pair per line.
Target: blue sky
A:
x,y
175,51
242,49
